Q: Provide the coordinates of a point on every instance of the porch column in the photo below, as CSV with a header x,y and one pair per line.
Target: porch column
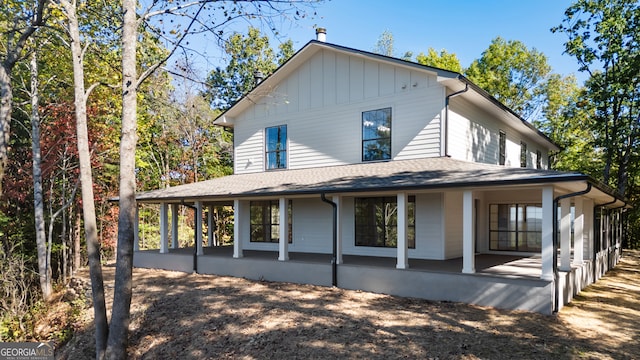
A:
x,y
578,232
199,250
565,234
283,243
402,244
174,226
210,226
468,248
136,230
164,228
547,233
238,219
337,199
587,211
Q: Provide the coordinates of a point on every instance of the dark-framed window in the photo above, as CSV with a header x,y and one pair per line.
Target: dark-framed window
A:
x,y
377,221
376,134
503,148
515,227
276,147
265,221
538,159
523,154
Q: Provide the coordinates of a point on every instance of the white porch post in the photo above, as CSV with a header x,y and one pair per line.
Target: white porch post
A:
x,y
136,230
210,226
468,248
238,219
337,199
199,251
565,234
164,228
283,243
547,233
587,210
402,243
174,226
578,232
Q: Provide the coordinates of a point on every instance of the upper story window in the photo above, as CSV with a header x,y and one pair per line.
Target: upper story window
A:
x,y
503,147
523,154
538,159
276,147
376,135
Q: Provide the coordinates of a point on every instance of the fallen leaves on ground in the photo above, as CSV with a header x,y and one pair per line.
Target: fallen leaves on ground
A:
x,y
191,316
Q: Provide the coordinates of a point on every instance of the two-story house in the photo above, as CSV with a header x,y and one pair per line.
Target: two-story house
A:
x,y
363,171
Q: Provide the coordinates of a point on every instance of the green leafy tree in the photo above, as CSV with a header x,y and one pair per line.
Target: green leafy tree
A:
x,y
442,60
603,36
567,121
512,74
248,54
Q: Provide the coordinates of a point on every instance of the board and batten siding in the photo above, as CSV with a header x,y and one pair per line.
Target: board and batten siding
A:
x,y
474,136
322,101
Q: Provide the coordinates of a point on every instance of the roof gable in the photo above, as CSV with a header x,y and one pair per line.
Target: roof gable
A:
x,y
454,81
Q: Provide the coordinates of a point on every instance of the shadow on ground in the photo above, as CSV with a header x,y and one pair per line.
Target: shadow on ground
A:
x,y
190,316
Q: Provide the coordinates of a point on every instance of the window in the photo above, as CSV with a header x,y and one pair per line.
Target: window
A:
x,y
377,222
523,154
515,227
538,159
503,146
276,147
265,221
376,135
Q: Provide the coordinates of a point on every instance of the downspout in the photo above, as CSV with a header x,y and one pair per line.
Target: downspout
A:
x,y
556,276
195,239
334,256
446,117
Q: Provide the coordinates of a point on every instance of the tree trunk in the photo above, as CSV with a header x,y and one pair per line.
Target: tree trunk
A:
x,y
77,258
44,266
118,331
6,98
86,179
13,51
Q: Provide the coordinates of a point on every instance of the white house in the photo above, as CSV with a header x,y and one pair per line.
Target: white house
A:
x,y
362,171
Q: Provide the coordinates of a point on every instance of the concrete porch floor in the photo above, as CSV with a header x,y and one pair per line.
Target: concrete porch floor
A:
x,y
490,264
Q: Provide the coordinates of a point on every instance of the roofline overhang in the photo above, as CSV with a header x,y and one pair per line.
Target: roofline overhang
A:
x,y
617,201
495,101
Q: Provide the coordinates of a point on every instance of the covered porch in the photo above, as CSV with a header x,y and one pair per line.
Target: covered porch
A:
x,y
454,239
502,281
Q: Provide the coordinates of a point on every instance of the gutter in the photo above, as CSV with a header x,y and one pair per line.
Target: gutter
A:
x,y
446,117
556,297
334,256
195,239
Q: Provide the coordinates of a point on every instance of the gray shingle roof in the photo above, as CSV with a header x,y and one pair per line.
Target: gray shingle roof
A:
x,y
427,173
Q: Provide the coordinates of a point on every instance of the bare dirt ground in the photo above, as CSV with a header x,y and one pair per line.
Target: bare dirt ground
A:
x,y
189,316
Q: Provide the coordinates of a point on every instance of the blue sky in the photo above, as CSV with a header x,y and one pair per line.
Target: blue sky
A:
x,y
463,27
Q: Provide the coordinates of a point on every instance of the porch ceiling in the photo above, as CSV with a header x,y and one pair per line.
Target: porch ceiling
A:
x,y
418,174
